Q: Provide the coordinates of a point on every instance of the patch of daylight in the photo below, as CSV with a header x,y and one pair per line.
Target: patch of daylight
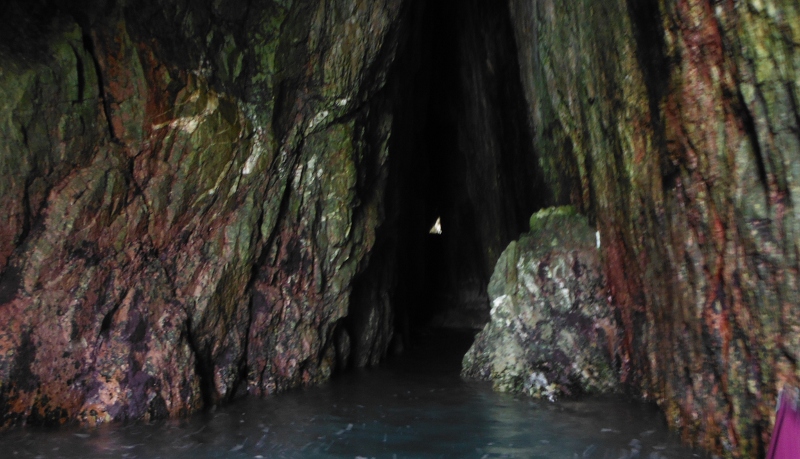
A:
x,y
437,227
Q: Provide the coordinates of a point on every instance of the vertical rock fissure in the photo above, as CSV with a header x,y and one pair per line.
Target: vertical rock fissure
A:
x,y
648,30
79,95
461,151
88,45
752,133
202,369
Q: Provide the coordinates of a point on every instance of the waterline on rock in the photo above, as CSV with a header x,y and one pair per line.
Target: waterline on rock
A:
x,y
416,407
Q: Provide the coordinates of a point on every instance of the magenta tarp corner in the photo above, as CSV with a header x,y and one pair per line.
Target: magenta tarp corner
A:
x,y
785,443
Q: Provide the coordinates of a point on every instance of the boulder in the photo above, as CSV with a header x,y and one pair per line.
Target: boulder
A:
x,y
551,331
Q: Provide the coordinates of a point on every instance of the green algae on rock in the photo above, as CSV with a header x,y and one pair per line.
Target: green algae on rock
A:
x,y
673,125
156,172
198,199
552,332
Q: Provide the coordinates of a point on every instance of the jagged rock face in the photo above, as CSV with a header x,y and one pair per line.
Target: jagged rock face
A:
x,y
192,193
552,332
677,125
197,198
187,191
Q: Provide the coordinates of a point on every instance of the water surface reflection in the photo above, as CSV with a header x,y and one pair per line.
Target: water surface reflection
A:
x,y
417,407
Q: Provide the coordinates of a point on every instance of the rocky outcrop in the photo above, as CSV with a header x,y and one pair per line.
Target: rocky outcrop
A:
x,y
197,199
187,191
552,332
674,126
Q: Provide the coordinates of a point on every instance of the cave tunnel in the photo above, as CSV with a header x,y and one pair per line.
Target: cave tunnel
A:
x,y
203,199
461,156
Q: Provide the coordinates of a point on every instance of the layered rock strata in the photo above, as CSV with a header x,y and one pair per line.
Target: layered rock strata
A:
x,y
188,190
198,198
674,125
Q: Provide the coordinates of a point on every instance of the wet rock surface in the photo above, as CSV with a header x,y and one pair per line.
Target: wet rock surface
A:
x,y
674,126
199,199
551,332
187,193
414,407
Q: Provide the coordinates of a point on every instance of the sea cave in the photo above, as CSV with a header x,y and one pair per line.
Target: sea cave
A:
x,y
206,202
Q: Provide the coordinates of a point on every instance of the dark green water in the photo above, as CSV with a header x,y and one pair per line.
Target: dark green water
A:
x,y
415,407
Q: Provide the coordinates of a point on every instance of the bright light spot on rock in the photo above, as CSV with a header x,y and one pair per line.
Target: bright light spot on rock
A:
x,y
252,160
437,227
317,120
597,235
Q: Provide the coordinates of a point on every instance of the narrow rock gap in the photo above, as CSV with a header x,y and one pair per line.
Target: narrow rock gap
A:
x,y
89,46
460,156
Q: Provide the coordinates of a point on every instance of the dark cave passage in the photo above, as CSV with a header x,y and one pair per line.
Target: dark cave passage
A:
x,y
201,200
461,153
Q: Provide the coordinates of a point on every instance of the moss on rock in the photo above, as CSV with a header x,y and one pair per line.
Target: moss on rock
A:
x,y
551,328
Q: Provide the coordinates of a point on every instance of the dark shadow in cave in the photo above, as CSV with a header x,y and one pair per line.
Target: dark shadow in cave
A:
x,y
461,150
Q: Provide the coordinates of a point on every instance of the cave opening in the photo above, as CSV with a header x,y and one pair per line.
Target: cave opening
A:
x,y
463,177
437,227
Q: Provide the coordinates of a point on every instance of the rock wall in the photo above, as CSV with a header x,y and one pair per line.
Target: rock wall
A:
x,y
196,197
675,126
187,190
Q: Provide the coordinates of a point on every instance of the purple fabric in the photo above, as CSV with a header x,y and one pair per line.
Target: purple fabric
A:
x,y
785,443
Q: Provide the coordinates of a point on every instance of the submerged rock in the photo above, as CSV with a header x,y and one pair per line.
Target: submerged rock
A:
x,y
551,331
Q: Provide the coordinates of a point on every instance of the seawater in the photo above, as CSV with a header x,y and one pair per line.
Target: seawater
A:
x,y
415,407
